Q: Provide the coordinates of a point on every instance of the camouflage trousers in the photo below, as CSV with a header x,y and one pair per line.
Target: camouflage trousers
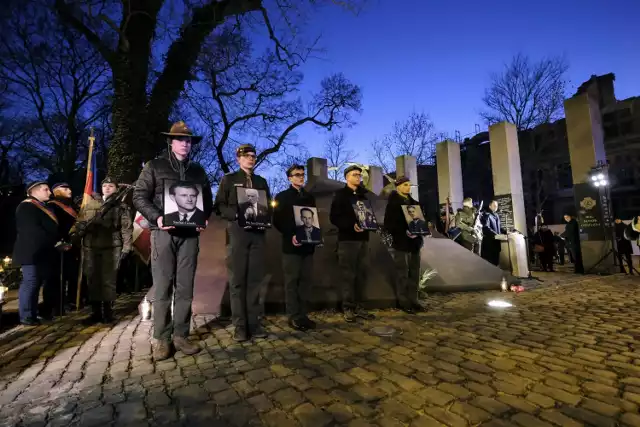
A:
x,y
101,270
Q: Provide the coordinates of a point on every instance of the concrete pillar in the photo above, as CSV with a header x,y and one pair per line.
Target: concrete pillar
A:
x,y
586,150
317,169
449,173
407,166
507,175
507,188
375,181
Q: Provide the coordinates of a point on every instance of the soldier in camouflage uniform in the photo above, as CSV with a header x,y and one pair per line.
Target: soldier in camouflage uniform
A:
x,y
106,227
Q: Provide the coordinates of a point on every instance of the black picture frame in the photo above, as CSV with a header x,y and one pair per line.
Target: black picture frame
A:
x,y
304,234
365,215
247,198
178,202
416,223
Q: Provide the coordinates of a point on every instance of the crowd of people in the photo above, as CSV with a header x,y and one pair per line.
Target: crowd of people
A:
x,y
51,229
481,232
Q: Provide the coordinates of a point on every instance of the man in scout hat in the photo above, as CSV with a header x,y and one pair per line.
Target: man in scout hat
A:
x,y
175,249
353,244
246,246
34,250
106,226
65,209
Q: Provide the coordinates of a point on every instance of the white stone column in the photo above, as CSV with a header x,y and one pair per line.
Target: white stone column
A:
x,y
317,169
449,174
507,190
375,183
407,166
586,150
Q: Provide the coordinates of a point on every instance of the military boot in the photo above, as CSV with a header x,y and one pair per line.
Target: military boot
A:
x,y
108,312
96,314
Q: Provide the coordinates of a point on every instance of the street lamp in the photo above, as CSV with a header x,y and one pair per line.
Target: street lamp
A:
x,y
6,261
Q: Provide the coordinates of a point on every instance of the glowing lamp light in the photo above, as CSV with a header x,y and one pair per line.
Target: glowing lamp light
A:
x,y
273,203
499,303
145,309
3,291
6,260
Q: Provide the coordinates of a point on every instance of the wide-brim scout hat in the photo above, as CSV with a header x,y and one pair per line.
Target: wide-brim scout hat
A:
x,y
181,129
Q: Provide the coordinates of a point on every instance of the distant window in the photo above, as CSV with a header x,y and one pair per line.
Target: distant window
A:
x,y
563,173
626,128
610,131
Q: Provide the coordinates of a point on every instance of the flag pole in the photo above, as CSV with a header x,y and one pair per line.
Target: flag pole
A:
x,y
92,140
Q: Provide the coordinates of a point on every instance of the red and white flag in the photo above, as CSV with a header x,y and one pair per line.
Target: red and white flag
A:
x,y
142,238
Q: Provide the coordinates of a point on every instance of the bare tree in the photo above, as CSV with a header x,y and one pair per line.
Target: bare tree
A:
x,y
56,83
128,33
337,155
414,136
526,93
241,98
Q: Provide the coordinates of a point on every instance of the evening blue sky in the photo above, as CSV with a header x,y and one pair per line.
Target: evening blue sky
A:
x,y
436,56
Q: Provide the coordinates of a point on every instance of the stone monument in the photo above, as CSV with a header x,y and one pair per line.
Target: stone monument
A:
x,y
586,151
507,190
449,174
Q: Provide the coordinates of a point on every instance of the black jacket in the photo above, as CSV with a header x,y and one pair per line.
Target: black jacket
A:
x,y
343,216
149,189
37,234
66,212
572,234
284,220
396,224
622,245
226,204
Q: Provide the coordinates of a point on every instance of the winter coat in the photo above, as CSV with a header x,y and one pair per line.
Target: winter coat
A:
x,y
285,222
66,212
148,194
623,245
343,216
465,220
226,204
396,224
105,227
37,233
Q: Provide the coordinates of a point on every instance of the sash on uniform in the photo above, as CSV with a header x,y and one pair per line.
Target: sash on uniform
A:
x,y
67,209
43,208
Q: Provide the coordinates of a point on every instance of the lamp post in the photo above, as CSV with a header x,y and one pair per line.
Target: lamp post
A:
x,y
599,178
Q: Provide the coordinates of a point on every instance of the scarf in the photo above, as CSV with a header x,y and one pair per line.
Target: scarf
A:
x,y
44,208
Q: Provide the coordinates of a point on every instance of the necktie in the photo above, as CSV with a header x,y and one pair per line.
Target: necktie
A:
x,y
184,218
248,183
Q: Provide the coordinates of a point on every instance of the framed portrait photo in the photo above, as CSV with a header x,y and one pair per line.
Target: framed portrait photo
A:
x,y
183,206
253,208
307,225
364,214
416,223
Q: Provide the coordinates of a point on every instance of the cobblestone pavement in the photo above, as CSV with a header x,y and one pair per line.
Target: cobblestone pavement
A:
x,y
563,355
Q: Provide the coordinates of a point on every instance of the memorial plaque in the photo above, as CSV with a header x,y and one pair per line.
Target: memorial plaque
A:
x,y
590,210
505,211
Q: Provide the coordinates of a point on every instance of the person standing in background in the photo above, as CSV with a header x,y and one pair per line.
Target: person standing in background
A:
x,y
623,247
572,237
297,258
406,246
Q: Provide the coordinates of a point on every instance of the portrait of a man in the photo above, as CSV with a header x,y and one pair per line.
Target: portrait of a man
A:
x,y
364,214
307,225
415,219
183,204
252,208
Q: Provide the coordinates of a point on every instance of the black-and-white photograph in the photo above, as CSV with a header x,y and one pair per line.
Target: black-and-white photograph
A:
x,y
183,204
364,214
253,209
416,223
307,225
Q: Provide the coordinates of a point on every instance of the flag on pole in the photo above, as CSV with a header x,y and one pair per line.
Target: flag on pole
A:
x,y
91,182
142,238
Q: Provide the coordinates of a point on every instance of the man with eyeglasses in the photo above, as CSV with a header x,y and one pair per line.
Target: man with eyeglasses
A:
x,y
297,257
246,267
353,244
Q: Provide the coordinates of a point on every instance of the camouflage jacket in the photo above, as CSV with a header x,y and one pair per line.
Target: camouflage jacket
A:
x,y
465,220
111,230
